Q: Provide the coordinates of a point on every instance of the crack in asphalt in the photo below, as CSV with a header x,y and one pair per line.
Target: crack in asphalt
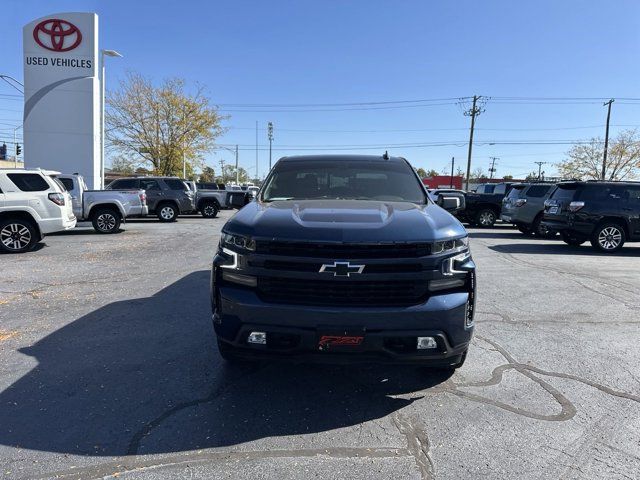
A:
x,y
417,444
127,465
136,439
568,410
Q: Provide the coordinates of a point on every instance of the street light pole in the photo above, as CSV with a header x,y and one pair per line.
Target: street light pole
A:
x,y
103,53
237,171
270,134
606,139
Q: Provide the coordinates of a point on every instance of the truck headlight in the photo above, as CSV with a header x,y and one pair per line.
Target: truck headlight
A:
x,y
450,245
236,242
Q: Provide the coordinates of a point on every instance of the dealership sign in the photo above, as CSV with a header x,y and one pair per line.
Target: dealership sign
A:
x,y
62,94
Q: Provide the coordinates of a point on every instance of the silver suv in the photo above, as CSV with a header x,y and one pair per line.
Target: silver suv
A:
x,y
524,207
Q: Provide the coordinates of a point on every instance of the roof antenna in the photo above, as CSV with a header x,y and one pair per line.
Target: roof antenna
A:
x,y
385,156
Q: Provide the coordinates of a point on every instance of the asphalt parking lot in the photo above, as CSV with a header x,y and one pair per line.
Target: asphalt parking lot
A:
x,y
108,368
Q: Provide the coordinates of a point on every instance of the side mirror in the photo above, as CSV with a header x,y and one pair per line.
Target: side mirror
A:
x,y
451,202
237,199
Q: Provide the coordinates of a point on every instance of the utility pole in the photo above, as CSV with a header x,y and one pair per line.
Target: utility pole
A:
x,y
237,171
540,169
453,162
270,135
222,171
492,169
473,112
606,138
184,159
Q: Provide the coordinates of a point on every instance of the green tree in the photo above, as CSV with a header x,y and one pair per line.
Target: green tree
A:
x,y
478,174
229,174
208,174
421,172
123,165
508,177
585,161
161,125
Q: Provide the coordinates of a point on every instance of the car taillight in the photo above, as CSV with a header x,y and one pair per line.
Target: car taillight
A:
x,y
520,202
575,206
143,198
57,198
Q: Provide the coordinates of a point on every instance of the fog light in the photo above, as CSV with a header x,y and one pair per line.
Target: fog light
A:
x,y
257,338
425,343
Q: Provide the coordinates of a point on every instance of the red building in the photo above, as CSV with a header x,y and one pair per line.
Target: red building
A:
x,y
443,181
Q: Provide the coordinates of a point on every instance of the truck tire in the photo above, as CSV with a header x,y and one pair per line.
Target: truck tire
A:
x,y
573,240
106,220
452,368
486,218
608,237
17,235
228,354
167,212
539,230
524,229
209,209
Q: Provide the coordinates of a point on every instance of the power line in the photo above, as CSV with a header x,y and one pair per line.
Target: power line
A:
x,y
268,105
351,109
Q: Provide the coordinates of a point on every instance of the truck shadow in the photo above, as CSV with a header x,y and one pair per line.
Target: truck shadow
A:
x,y
143,376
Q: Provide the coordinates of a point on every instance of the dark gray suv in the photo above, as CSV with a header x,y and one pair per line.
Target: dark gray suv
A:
x,y
167,197
524,207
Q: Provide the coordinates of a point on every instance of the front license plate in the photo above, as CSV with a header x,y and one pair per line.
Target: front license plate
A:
x,y
340,340
553,210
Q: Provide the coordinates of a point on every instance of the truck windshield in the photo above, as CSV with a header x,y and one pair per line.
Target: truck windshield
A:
x,y
343,180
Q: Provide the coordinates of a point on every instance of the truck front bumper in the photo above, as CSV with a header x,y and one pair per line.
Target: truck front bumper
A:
x,y
386,334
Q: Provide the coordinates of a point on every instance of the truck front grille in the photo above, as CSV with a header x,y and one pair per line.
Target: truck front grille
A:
x,y
342,293
344,250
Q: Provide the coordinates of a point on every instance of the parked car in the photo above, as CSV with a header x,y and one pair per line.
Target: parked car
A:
x,y
524,208
105,209
483,209
32,205
208,202
167,197
605,213
344,258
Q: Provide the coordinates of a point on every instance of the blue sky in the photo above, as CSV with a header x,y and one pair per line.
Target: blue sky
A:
x,y
330,51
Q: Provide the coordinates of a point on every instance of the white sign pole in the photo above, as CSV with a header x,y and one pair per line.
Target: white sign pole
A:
x,y
62,95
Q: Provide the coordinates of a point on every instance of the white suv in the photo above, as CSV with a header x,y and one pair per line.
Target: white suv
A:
x,y
32,204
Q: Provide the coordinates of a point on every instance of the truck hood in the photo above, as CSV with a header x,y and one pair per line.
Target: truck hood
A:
x,y
353,221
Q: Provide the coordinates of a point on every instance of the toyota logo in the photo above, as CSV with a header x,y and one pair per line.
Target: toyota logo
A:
x,y
57,35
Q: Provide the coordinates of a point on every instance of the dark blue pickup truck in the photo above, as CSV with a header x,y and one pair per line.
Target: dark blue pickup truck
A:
x,y
344,259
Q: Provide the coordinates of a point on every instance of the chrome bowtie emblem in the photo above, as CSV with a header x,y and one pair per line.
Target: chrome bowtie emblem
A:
x,y
341,269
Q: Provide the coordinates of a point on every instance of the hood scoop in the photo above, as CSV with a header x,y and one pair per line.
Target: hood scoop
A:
x,y
361,214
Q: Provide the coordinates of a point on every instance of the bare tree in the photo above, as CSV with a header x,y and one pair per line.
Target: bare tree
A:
x,y
161,125
585,161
